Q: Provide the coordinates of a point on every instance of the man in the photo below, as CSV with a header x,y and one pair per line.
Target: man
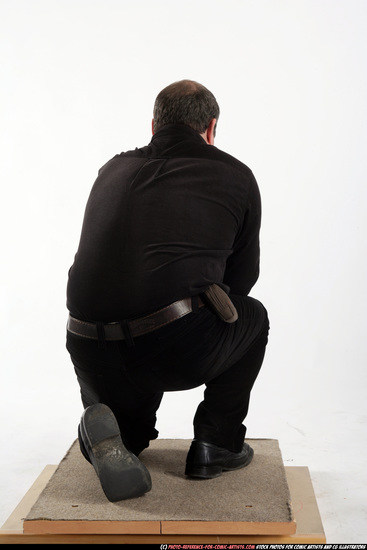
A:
x,y
158,296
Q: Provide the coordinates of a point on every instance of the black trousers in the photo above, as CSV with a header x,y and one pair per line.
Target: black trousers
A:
x,y
197,349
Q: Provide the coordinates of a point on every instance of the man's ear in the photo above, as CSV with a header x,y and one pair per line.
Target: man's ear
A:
x,y
211,131
152,126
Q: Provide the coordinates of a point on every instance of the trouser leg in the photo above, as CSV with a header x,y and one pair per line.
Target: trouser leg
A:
x,y
194,350
102,379
219,417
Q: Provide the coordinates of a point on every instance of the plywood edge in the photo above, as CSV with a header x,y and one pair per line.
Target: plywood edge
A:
x,y
304,503
158,527
44,526
228,527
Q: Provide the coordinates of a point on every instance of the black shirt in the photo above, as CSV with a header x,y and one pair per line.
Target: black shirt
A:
x,y
162,223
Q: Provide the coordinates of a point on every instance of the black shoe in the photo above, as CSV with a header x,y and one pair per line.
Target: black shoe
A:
x,y
120,472
206,460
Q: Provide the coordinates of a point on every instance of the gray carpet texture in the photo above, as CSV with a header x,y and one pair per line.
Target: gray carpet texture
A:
x,y
256,493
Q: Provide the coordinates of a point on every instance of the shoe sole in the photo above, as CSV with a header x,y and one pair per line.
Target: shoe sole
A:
x,y
210,472
122,475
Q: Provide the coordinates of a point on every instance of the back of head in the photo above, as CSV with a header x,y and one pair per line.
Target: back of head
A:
x,y
185,102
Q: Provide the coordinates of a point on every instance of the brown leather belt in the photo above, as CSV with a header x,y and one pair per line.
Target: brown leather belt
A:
x,y
137,327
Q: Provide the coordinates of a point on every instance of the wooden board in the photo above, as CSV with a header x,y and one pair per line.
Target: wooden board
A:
x,y
309,525
252,500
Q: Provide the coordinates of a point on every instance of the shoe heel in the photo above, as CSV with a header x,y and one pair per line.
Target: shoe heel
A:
x,y
99,423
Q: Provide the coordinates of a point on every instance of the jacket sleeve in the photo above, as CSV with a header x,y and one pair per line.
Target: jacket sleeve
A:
x,y
243,265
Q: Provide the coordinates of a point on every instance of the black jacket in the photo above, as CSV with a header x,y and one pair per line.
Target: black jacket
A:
x,y
162,223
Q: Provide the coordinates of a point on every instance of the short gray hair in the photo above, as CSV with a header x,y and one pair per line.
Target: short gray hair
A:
x,y
185,102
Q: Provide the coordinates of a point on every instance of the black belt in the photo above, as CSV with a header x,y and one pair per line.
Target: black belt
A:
x,y
136,327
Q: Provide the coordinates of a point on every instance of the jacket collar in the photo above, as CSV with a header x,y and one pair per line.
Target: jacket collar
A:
x,y
176,133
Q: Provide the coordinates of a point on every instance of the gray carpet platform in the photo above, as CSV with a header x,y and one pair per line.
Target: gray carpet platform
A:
x,y
253,500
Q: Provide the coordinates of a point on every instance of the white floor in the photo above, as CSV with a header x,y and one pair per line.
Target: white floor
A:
x,y
336,458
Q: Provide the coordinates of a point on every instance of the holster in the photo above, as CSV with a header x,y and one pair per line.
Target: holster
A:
x,y
219,301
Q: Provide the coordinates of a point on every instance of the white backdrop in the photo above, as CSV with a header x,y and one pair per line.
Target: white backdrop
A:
x,y
78,82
